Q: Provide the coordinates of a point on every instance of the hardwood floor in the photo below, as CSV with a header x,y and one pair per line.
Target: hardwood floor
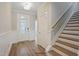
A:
x,y
26,48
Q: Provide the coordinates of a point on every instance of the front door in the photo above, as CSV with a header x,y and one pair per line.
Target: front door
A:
x,y
23,27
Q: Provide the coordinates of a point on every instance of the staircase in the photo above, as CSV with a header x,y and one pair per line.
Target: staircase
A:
x,y
68,41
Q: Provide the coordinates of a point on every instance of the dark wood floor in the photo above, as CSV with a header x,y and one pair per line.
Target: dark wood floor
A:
x,y
26,48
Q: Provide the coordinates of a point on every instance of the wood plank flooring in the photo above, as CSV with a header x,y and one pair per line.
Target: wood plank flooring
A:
x,y
26,48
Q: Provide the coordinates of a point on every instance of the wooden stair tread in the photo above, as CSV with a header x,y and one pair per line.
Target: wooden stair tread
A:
x,y
76,34
73,22
75,17
68,44
72,25
72,28
69,41
69,38
65,51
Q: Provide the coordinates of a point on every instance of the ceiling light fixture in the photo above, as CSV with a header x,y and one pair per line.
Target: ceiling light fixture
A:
x,y
22,17
27,5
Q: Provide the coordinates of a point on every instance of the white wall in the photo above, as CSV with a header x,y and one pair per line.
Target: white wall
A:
x,y
5,17
15,13
14,21
5,27
58,9
77,6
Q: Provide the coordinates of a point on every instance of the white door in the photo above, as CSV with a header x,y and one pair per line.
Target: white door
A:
x,y
23,27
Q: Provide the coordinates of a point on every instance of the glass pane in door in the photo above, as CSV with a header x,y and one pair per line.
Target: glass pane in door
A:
x,y
23,25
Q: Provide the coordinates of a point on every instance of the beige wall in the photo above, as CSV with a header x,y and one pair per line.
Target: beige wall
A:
x,y
5,17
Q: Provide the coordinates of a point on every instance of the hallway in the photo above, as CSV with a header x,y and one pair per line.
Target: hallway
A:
x,y
39,29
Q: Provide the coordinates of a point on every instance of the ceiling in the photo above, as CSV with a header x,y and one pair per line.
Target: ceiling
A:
x,y
18,5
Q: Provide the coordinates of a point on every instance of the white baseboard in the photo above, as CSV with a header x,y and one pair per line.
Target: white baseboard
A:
x,y
8,50
4,43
